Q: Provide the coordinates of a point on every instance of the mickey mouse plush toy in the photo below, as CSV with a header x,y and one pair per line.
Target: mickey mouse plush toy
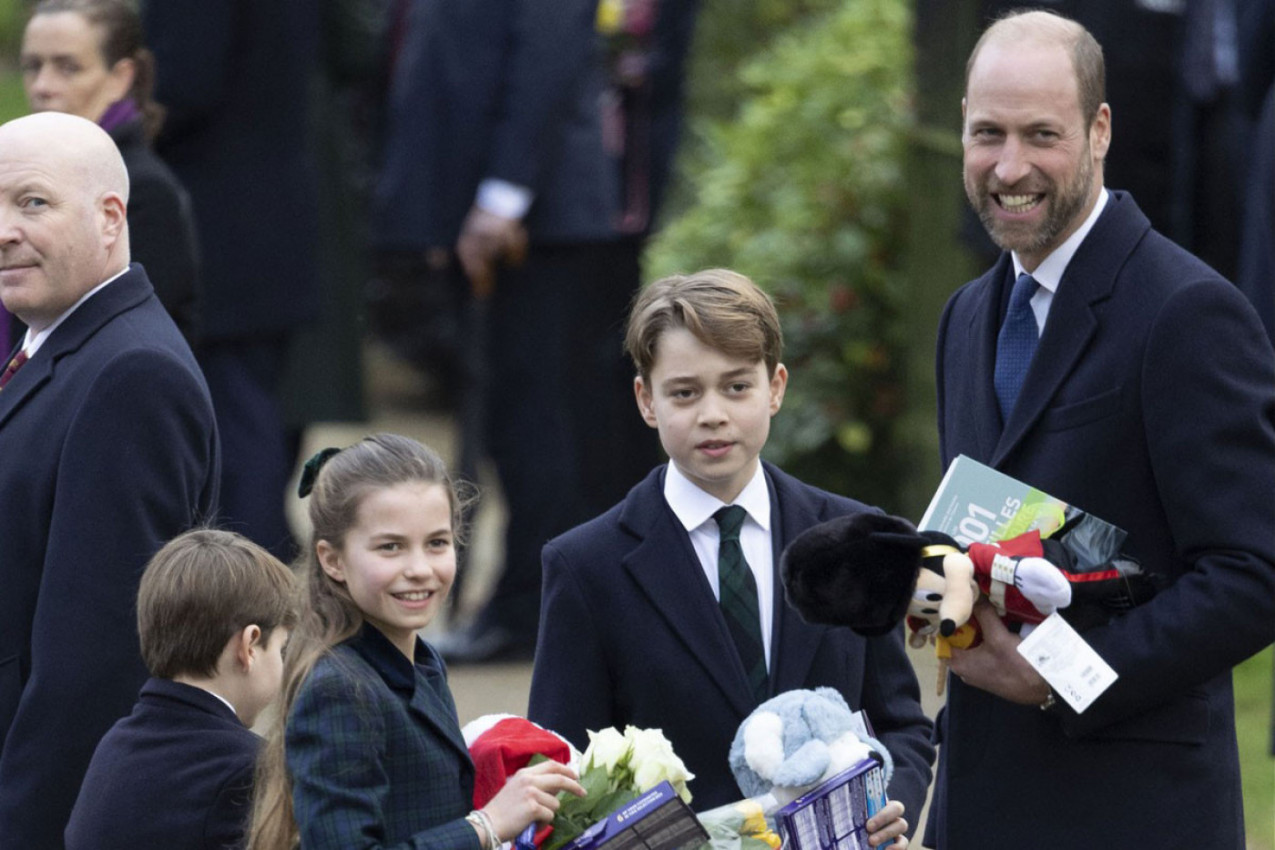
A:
x,y
869,571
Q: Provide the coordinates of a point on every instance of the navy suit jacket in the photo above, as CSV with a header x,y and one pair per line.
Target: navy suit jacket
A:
x,y
511,89
108,449
631,634
376,754
496,88
161,227
1150,402
235,76
177,773
1256,277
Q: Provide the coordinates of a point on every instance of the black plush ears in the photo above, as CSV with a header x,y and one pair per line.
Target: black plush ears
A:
x,y
857,571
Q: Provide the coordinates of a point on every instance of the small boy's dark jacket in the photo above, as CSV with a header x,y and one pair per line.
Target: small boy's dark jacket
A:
x,y
175,774
631,633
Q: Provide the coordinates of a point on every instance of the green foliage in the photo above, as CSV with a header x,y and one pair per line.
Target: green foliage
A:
x,y
13,16
13,101
728,35
577,814
603,794
804,192
1253,730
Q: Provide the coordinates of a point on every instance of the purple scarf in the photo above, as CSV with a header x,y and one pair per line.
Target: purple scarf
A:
x,y
120,112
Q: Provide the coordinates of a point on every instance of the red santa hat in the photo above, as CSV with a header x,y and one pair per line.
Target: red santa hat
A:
x,y
502,744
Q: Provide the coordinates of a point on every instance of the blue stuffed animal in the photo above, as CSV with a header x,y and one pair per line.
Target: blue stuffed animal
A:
x,y
795,740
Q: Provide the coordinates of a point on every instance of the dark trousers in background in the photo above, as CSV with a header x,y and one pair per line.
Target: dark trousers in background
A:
x,y
562,425
256,463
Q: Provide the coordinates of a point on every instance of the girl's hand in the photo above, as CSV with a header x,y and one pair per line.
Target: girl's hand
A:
x,y
529,795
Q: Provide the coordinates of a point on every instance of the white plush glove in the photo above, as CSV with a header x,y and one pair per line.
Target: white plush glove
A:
x,y
1043,584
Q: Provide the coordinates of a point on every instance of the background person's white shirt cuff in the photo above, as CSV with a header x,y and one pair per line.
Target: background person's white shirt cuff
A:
x,y
502,198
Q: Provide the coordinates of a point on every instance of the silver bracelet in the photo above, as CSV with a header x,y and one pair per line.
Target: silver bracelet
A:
x,y
481,819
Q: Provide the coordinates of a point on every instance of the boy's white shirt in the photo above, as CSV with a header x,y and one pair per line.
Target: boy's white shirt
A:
x,y
218,696
694,508
184,680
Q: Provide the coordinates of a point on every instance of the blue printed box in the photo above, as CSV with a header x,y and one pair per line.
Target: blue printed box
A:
x,y
834,815
657,820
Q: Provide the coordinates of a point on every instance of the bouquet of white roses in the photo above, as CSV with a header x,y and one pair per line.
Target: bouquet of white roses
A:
x,y
614,770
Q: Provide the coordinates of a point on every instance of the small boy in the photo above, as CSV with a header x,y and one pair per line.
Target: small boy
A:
x,y
213,613
667,611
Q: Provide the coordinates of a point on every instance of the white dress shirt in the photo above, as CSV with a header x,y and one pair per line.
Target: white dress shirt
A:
x,y
694,509
32,342
1051,269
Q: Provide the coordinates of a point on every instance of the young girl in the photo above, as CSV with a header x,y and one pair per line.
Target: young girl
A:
x,y
371,753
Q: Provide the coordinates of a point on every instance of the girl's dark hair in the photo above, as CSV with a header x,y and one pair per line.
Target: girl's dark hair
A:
x,y
121,37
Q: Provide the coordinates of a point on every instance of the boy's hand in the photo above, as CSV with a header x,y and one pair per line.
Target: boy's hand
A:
x,y
888,824
995,665
487,240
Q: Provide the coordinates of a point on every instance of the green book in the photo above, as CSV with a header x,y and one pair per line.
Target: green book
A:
x,y
978,504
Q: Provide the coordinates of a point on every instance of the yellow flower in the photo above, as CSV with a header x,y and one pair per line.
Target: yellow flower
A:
x,y
610,16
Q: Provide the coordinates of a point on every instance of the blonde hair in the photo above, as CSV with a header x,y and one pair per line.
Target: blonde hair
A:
x,y
199,590
723,309
328,614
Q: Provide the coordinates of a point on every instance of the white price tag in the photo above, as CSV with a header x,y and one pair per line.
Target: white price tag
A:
x,y
1066,662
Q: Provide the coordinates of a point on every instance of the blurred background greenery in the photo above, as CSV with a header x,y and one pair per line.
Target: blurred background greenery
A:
x,y
804,190
820,157
12,18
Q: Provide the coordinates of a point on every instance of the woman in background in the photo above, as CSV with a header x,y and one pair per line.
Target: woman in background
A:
x,y
87,57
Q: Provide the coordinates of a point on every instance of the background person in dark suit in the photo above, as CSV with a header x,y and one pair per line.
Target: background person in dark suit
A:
x,y
87,57
511,143
213,614
110,449
235,79
632,631
1149,401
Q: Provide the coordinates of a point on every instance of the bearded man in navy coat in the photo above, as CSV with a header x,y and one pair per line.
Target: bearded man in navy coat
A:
x,y
108,448
1149,401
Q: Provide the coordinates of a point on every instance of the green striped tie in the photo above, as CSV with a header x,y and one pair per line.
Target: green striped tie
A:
x,y
739,599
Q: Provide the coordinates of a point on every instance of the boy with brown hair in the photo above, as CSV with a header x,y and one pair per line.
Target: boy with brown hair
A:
x,y
213,612
667,611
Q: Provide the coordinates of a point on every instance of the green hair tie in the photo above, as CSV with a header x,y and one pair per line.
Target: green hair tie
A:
x,y
310,472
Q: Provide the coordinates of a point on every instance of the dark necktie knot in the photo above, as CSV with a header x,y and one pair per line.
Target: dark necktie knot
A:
x,y
729,521
1024,288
